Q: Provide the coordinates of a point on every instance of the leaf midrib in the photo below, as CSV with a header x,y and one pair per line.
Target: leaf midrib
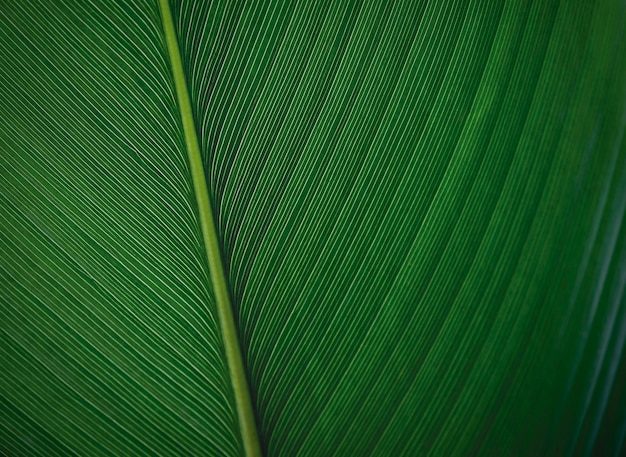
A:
x,y
249,434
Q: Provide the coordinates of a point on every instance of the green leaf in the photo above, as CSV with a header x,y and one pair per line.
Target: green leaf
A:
x,y
312,228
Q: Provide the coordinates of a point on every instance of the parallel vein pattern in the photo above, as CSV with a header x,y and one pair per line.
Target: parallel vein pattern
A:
x,y
421,206
109,343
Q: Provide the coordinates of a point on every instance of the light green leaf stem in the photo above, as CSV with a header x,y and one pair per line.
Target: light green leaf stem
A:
x,y
220,285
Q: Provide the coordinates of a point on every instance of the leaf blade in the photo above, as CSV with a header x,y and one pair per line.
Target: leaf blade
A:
x,y
109,334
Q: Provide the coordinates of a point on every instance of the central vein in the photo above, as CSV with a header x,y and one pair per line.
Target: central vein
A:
x,y
227,323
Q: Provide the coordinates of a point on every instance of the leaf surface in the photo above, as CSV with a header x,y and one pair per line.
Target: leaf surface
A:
x,y
419,207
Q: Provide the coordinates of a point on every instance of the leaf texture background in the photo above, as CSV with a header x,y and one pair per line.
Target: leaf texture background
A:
x,y
420,207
